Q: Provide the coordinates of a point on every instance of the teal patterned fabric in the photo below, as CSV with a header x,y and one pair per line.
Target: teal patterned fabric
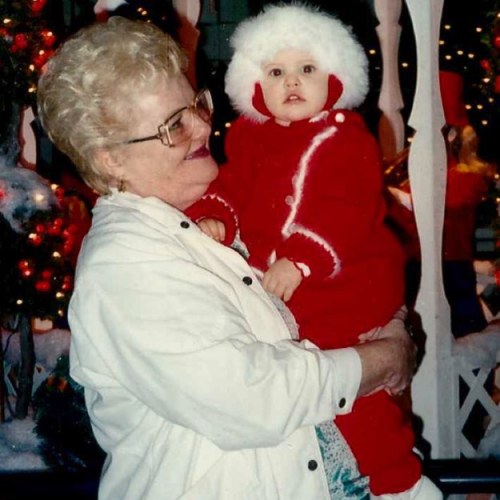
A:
x,y
344,479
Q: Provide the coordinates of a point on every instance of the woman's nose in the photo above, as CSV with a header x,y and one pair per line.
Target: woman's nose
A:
x,y
201,128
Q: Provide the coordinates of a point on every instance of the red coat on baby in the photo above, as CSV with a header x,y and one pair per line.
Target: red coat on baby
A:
x,y
312,192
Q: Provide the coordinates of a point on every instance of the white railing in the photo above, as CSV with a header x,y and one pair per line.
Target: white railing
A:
x,y
435,389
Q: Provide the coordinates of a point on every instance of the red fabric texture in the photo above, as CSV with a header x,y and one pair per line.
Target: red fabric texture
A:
x,y
334,224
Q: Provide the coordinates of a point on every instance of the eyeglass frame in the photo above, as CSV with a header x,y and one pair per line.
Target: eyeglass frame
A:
x,y
192,108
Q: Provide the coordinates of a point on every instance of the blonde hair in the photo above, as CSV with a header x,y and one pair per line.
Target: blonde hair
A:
x,y
84,93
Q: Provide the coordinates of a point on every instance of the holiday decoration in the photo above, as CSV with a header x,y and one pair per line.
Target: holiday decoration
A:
x,y
490,38
63,424
26,43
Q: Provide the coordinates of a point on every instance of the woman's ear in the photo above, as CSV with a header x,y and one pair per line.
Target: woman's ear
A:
x,y
108,162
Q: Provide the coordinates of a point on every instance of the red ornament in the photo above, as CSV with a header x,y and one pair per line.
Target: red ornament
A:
x,y
35,239
20,41
54,229
497,85
47,274
496,41
38,5
41,58
67,283
26,268
23,264
48,38
42,286
486,65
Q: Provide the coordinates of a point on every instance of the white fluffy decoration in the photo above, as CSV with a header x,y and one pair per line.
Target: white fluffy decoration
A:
x,y
299,26
22,193
482,349
107,5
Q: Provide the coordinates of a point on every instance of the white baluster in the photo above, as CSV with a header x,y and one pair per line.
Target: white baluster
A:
x,y
434,388
391,131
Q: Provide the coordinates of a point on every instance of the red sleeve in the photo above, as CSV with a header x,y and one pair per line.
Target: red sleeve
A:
x,y
342,201
225,195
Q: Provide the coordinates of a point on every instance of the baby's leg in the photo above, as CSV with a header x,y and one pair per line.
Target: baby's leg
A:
x,y
424,489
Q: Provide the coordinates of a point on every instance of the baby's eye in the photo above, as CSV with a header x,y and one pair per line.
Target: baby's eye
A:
x,y
308,68
275,72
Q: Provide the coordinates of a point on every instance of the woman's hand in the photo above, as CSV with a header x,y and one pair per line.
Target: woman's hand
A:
x,y
282,279
388,362
213,228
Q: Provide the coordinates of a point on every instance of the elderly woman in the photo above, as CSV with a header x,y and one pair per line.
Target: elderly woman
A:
x,y
194,386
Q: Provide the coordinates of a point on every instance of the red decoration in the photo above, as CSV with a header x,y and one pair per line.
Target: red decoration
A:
x,y
497,277
26,268
20,41
35,239
496,41
486,65
42,286
67,283
38,5
48,38
497,84
42,57
47,274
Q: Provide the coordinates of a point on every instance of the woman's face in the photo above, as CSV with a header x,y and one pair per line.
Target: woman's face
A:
x,y
178,175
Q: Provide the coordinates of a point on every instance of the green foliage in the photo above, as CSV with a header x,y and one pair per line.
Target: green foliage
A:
x,y
63,425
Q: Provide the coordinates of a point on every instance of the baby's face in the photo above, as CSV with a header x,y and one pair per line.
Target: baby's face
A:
x,y
293,86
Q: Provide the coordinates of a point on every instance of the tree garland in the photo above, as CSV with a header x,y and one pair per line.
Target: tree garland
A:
x,y
490,64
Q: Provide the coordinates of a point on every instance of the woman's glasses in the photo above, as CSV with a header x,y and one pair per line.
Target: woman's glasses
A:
x,y
179,126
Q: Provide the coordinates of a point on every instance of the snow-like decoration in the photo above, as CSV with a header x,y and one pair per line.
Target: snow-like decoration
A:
x,y
482,349
22,194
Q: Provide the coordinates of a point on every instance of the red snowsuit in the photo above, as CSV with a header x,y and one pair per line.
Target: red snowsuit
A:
x,y
312,192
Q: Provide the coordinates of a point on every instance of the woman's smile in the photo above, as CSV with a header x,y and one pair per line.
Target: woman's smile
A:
x,y
201,152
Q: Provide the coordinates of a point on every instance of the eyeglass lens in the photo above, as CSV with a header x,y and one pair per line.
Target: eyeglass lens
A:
x,y
179,127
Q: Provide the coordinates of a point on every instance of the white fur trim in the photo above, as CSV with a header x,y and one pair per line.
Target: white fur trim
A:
x,y
222,201
298,186
297,229
330,42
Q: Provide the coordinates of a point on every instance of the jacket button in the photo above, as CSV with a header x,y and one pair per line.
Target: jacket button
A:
x,y
247,280
312,465
185,224
342,402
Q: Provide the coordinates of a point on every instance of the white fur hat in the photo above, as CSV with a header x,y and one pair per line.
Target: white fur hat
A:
x,y
277,27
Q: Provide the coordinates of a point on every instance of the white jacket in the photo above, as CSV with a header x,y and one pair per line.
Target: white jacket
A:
x,y
194,388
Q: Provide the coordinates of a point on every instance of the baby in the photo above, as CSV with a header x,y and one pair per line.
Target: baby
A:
x,y
303,190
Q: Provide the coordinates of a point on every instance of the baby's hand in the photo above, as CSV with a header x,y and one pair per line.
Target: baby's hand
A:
x,y
282,279
213,228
